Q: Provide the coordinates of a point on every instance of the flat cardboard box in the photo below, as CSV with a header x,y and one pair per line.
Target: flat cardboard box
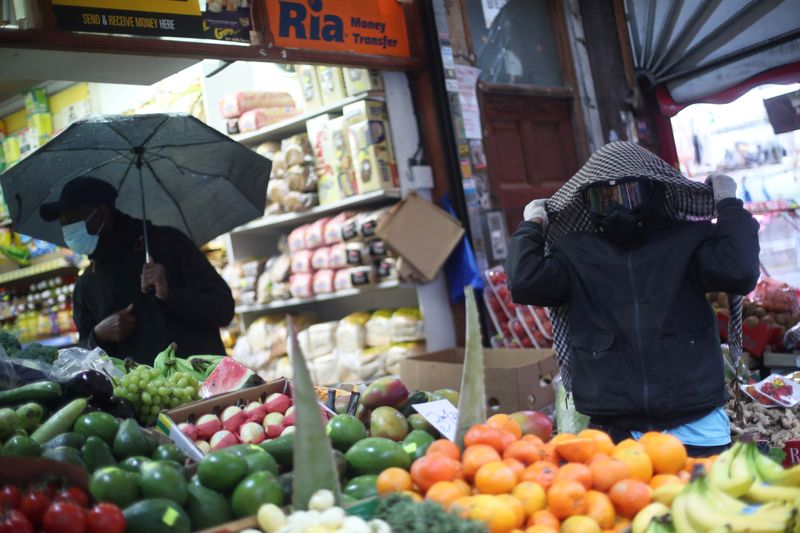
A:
x,y
331,84
411,219
309,86
361,80
516,379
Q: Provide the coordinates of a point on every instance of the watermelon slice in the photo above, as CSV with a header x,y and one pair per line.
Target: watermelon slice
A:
x,y
229,376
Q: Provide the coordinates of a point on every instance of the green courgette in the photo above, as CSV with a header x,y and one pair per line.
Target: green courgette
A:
x,y
41,391
60,422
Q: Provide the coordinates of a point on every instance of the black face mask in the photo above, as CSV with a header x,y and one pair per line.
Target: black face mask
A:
x,y
623,226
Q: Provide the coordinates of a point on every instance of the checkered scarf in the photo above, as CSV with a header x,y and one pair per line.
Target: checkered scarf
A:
x,y
684,200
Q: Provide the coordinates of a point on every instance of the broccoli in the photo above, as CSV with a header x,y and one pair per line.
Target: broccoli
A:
x,y
38,352
9,343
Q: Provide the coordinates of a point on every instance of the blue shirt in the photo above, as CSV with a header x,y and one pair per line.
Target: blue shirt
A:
x,y
711,430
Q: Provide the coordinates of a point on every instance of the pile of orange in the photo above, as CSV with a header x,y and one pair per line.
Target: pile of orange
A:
x,y
516,483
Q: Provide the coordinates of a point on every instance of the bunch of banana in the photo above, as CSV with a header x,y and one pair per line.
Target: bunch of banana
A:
x,y
204,364
198,366
166,362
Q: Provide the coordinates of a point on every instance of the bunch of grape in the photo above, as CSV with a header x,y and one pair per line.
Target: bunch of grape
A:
x,y
150,391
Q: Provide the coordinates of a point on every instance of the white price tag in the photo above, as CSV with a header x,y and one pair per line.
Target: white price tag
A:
x,y
442,415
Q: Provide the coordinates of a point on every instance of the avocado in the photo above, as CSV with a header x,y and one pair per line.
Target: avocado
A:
x,y
156,515
130,441
281,449
64,454
97,454
72,440
206,507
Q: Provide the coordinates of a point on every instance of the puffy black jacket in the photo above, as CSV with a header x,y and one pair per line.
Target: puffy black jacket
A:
x,y
645,343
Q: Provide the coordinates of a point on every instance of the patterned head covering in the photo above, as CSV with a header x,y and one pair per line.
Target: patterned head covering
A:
x,y
683,200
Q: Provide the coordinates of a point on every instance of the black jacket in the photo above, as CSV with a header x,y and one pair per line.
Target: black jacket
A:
x,y
199,301
645,343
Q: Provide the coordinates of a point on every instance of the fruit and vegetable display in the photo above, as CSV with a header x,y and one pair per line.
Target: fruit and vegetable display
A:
x,y
515,325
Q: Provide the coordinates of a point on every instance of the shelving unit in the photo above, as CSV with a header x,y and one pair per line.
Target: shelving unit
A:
x,y
62,341
260,309
32,273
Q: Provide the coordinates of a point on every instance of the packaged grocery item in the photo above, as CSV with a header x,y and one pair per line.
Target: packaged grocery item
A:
x,y
300,201
314,233
328,189
264,289
331,84
320,142
321,259
351,335
360,80
232,126
255,119
304,340
378,328
301,178
279,267
372,164
399,351
36,101
372,363
235,104
297,239
281,291
338,256
322,338
361,276
309,86
277,189
357,253
342,281
297,150
349,228
301,261
377,249
386,269
324,370
406,325
323,281
367,222
278,166
301,285
339,157
268,149
333,229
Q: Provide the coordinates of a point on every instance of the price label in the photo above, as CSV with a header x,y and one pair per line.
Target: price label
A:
x,y
442,415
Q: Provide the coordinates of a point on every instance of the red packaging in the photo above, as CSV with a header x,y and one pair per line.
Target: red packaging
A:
x,y
301,285
314,233
323,282
297,239
337,257
321,258
301,261
333,228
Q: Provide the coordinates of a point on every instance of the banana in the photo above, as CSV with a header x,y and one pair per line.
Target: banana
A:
x,y
666,493
772,472
680,518
647,516
183,365
658,526
731,472
762,491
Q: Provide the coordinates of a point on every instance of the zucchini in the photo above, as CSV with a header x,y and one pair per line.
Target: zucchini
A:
x,y
41,391
61,421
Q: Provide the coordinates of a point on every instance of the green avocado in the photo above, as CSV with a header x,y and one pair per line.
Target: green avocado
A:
x,y
206,508
97,454
130,441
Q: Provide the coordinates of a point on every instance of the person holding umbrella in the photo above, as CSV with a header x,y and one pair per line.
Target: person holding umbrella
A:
x,y
125,305
625,263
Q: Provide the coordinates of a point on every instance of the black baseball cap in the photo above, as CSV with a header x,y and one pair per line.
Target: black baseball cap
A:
x,y
85,190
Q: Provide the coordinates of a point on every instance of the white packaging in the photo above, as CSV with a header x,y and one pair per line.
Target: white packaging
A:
x,y
378,328
406,325
321,339
351,335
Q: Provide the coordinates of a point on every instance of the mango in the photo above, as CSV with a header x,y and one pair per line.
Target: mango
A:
x,y
389,423
385,392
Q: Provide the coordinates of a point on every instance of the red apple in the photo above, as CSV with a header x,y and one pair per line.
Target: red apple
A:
x,y
189,430
255,412
207,425
232,418
222,439
278,403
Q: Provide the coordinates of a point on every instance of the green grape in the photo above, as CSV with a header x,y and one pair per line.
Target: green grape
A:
x,y
182,382
133,387
193,381
146,398
189,391
174,402
163,391
142,384
154,410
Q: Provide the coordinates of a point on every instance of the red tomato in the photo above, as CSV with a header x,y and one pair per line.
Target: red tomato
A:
x,y
65,517
51,488
105,518
13,521
75,495
33,505
9,497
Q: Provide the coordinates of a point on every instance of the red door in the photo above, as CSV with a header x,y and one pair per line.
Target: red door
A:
x,y
530,148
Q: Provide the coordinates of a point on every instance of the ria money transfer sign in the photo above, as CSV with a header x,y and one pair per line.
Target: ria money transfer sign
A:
x,y
157,18
371,27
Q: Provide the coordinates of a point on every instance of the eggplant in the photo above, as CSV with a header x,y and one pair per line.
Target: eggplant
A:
x,y
116,406
90,384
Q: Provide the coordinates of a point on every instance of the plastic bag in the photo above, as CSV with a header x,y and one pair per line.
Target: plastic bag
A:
x,y
568,419
74,360
776,296
792,338
8,372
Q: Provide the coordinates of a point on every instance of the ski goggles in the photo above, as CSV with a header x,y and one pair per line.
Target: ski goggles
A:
x,y
629,195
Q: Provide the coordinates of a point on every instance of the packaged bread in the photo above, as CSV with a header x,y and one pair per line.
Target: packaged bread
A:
x,y
357,253
342,281
349,229
301,261
268,149
367,222
301,178
353,278
301,285
235,104
322,338
323,281
333,228
324,370
232,126
378,328
297,239
300,201
377,249
264,290
314,233
399,351
351,334
255,119
337,256
280,267
297,150
321,258
280,291
277,189
278,166
386,269
304,341
372,363
406,325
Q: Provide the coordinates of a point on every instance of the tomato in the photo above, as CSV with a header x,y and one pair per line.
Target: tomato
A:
x,y
34,504
9,497
51,488
75,495
13,521
65,517
105,518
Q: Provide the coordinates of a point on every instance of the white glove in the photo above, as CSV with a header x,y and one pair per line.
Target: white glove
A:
x,y
722,185
535,212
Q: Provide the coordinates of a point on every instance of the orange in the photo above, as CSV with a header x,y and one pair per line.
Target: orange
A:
x,y
516,506
667,453
516,466
660,480
544,518
444,493
629,496
638,462
505,422
603,443
531,495
562,437
507,438
532,438
629,443
540,528
541,472
460,507
394,480
575,472
566,498
463,486
497,515
580,524
475,457
621,525
413,495
484,434
576,450
606,471
495,478
445,447
548,453
600,509
429,469
523,451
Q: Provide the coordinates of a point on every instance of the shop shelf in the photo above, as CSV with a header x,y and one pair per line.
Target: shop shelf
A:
x,y
298,302
50,268
285,128
268,223
62,341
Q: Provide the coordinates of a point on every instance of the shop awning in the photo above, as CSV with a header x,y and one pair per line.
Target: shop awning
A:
x,y
701,48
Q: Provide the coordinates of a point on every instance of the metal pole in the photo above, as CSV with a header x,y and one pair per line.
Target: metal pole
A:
x,y
147,257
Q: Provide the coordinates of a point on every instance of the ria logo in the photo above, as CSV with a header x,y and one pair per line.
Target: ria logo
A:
x,y
307,23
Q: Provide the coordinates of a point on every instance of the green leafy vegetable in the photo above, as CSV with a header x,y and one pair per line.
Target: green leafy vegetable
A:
x,y
403,514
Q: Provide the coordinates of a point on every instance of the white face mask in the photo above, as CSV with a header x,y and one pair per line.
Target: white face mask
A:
x,y
78,238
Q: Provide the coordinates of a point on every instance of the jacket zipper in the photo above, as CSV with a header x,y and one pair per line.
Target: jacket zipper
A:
x,y
637,329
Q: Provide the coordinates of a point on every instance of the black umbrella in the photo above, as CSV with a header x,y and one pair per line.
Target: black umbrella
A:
x,y
170,169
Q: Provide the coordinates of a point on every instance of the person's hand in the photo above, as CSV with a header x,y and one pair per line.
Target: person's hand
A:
x,y
536,212
722,185
117,326
154,275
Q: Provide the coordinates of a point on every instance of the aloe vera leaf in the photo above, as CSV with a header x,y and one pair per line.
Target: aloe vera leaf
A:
x,y
472,403
314,466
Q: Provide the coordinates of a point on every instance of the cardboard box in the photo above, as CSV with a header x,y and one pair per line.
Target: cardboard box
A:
x,y
331,84
414,216
516,379
361,80
36,101
309,86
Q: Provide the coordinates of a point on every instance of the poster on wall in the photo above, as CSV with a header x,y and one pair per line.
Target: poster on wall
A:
x,y
377,27
470,111
156,18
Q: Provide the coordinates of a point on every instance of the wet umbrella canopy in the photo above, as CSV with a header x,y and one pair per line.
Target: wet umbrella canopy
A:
x,y
170,169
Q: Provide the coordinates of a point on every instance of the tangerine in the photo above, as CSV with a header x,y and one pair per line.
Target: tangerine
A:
x,y
580,524
541,472
460,507
530,437
603,443
540,528
606,471
667,453
544,518
566,498
629,496
576,472
497,515
444,493
475,457
394,480
507,438
484,434
659,480
495,478
516,506
415,496
621,525
600,508
629,443
525,452
547,452
463,486
429,469
576,450
531,495
638,462
562,437
516,466
445,447
505,422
